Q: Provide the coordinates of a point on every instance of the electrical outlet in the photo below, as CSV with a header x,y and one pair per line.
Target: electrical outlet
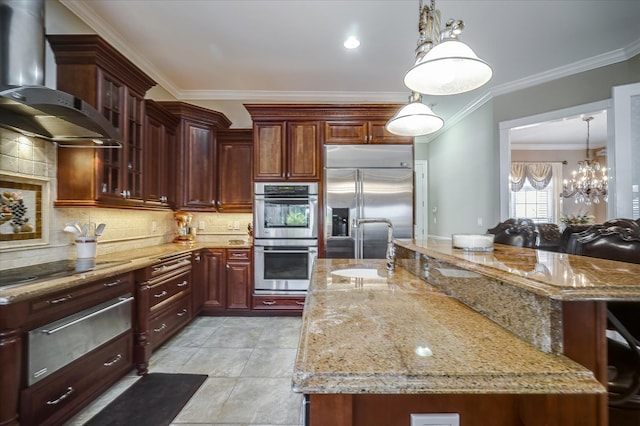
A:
x,y
440,419
236,225
230,226
154,226
479,221
201,225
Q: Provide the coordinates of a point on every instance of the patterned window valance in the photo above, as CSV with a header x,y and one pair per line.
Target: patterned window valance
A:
x,y
538,174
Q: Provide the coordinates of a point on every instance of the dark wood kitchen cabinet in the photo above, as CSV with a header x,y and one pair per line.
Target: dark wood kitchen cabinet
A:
x,y
235,165
287,144
50,401
227,278
164,304
287,151
91,69
160,145
196,180
361,132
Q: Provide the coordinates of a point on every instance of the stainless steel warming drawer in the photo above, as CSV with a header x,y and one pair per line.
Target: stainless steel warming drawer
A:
x,y
59,343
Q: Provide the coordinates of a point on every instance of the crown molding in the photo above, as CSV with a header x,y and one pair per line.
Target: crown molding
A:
x,y
291,96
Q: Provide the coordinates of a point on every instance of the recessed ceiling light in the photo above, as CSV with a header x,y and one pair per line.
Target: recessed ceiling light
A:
x,y
352,43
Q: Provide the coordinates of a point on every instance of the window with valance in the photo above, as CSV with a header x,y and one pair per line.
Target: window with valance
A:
x,y
535,190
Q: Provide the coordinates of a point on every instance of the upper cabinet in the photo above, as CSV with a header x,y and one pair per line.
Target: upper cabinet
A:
x,y
89,68
196,182
235,165
288,138
287,150
160,149
361,132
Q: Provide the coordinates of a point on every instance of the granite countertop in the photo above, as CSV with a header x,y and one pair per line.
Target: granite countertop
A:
x,y
111,265
398,335
558,276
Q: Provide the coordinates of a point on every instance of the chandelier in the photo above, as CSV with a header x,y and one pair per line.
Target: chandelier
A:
x,y
588,184
444,66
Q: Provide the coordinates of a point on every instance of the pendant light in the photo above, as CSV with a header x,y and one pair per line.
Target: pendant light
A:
x,y
414,119
446,68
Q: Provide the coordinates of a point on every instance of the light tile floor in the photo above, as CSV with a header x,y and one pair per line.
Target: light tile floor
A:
x,y
249,361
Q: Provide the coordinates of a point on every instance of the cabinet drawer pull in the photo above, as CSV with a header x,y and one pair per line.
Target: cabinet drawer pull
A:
x,y
113,361
183,283
159,329
159,268
182,313
60,300
242,255
268,302
298,302
112,283
159,295
62,397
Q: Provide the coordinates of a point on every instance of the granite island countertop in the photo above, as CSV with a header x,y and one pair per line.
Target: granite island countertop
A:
x,y
558,276
113,264
396,334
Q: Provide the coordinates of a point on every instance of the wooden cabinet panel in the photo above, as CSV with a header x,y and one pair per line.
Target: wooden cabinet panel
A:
x,y
200,171
159,155
278,303
286,151
227,279
359,132
214,279
235,165
345,132
269,151
163,304
196,173
89,68
379,134
303,149
239,277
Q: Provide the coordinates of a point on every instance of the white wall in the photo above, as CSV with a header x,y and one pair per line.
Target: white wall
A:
x,y
462,165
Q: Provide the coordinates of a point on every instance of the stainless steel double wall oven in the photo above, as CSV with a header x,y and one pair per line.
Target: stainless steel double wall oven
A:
x,y
285,236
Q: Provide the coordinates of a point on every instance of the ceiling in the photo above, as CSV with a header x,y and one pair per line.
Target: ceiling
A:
x,y
237,51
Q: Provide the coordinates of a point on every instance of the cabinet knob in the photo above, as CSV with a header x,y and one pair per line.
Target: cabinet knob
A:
x,y
227,266
213,202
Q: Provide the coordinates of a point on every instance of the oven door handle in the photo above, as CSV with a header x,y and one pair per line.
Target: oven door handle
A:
x,y
288,251
309,198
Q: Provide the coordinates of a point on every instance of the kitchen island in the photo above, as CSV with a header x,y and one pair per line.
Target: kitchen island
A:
x,y
376,347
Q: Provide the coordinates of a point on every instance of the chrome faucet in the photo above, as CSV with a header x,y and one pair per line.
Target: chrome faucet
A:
x,y
390,254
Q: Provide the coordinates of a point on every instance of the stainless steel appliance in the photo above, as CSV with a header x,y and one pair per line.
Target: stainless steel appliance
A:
x,y
286,210
57,344
284,266
26,105
367,181
285,236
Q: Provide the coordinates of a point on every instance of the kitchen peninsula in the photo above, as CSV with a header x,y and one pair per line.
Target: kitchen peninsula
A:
x,y
485,335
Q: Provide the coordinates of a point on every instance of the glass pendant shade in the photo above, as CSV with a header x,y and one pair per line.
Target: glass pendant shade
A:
x,y
449,68
414,119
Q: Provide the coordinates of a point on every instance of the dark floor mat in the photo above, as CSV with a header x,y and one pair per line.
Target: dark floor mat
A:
x,y
154,400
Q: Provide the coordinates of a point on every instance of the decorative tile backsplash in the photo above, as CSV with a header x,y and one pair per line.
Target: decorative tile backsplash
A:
x,y
125,229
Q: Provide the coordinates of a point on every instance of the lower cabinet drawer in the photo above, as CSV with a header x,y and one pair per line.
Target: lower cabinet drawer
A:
x,y
169,320
59,396
292,303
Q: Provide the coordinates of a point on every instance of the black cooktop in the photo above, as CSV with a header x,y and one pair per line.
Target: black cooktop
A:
x,y
51,270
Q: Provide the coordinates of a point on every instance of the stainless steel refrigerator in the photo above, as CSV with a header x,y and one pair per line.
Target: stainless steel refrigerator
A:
x,y
367,181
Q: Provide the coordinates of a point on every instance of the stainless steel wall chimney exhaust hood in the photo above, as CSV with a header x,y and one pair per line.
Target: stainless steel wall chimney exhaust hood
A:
x,y
26,105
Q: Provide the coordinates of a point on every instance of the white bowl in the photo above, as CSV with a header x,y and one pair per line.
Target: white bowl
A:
x,y
473,242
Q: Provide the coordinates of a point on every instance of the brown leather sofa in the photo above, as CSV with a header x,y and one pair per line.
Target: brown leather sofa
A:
x,y
515,232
